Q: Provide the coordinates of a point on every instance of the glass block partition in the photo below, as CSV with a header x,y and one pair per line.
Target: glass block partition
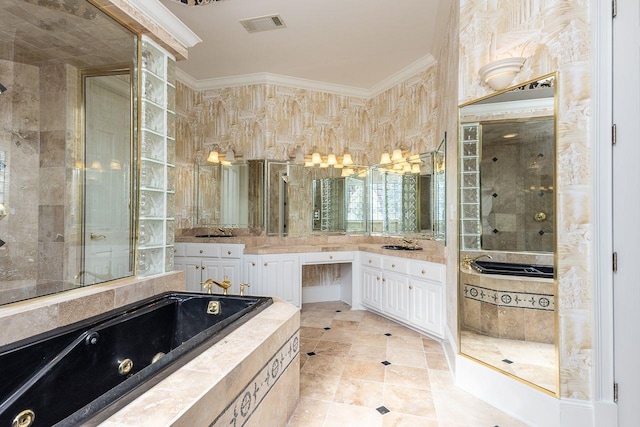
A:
x,y
157,161
470,229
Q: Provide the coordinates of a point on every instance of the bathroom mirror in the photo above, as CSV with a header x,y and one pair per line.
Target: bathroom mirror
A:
x,y
338,199
507,283
230,196
408,198
48,144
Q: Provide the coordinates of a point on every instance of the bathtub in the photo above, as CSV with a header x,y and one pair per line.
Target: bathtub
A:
x,y
90,369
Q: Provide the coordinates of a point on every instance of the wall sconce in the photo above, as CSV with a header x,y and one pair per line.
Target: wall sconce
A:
x,y
347,160
499,74
230,156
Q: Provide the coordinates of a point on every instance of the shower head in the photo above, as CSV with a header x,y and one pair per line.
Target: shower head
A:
x,y
2,88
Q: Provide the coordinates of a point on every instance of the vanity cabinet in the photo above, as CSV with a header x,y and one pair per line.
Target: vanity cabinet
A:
x,y
408,291
276,275
202,261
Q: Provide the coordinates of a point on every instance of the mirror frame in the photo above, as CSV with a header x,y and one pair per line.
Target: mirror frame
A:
x,y
556,392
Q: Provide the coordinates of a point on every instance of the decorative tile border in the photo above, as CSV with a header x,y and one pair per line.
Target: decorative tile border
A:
x,y
532,301
238,412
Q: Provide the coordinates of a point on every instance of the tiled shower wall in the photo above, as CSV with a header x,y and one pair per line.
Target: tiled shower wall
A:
x,y
39,141
265,121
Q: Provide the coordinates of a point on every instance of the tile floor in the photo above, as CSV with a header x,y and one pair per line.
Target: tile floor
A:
x,y
360,369
532,361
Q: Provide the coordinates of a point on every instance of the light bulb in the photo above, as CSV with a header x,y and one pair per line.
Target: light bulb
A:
x,y
316,159
397,155
331,159
385,159
346,159
213,157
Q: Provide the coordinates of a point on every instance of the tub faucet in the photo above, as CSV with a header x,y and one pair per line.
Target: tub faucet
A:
x,y
225,285
466,263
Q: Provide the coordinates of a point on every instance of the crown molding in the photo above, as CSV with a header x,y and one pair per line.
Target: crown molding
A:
x,y
295,82
395,79
536,104
163,17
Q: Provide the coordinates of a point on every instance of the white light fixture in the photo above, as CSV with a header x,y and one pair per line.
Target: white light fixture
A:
x,y
299,157
316,159
385,159
230,156
347,160
331,159
415,168
397,155
499,74
213,157
115,165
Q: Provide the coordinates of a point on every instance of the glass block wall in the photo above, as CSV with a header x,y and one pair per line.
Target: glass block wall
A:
x,y
157,161
470,187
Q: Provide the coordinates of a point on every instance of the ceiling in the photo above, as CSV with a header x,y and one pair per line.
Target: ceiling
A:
x,y
353,43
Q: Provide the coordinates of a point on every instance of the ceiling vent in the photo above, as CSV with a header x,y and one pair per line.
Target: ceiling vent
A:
x,y
263,23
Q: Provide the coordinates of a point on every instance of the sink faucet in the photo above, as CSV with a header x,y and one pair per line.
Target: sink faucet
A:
x,y
410,242
466,262
225,285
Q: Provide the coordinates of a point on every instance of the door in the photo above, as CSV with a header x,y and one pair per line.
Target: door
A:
x,y
626,208
108,237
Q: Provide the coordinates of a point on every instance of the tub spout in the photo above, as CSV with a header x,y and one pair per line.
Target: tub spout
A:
x,y
225,285
466,263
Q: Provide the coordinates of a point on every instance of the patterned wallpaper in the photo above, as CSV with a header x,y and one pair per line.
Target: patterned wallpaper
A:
x,y
552,35
265,121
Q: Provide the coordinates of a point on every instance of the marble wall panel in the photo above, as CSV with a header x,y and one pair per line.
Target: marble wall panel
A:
x,y
553,35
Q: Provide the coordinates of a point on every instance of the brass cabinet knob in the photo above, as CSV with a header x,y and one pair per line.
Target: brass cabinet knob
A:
x,y
384,280
228,252
197,267
253,264
369,261
410,286
393,266
424,271
201,251
377,278
330,256
266,263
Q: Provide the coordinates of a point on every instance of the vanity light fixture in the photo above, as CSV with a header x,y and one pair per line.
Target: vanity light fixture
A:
x,y
316,159
213,157
115,165
397,155
331,159
347,160
385,159
499,74
230,156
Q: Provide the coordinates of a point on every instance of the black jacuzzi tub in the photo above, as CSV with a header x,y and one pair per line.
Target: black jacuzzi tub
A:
x,y
84,372
513,269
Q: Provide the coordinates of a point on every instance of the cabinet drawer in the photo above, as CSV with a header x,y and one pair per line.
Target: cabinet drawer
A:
x,y
427,270
327,257
371,260
396,264
231,251
178,249
202,250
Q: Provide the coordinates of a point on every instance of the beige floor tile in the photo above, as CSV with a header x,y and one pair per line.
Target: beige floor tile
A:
x,y
432,346
325,365
339,335
353,315
374,339
368,352
309,333
407,376
437,361
473,412
398,356
400,330
406,343
364,370
331,348
349,325
394,419
307,345
344,415
409,400
317,386
316,322
359,392
309,413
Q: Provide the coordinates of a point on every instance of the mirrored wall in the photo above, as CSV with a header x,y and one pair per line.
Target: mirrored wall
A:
x,y
507,281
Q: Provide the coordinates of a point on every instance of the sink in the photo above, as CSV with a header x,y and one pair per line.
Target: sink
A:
x,y
513,269
402,248
208,236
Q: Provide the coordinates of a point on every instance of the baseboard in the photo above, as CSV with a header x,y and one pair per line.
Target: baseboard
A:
x,y
450,347
320,293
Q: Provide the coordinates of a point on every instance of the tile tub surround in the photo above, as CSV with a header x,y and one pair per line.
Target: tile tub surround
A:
x,y
512,307
30,317
250,377
344,381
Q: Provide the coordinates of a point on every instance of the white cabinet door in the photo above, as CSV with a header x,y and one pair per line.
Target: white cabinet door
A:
x,y
280,277
426,306
395,295
251,275
371,287
193,275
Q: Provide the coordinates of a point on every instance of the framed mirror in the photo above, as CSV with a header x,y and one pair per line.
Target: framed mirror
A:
x,y
230,196
507,283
